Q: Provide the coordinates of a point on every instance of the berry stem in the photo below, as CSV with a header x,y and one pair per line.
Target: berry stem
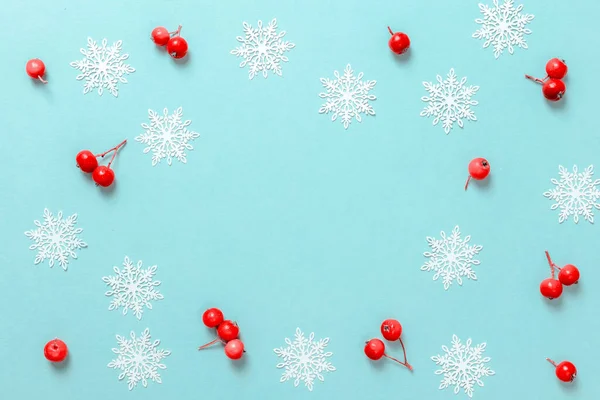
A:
x,y
404,351
551,362
552,265
177,32
540,81
209,344
468,180
390,29
115,149
407,365
42,79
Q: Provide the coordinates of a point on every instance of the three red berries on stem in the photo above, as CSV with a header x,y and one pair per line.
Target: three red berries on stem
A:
x,y
553,87
227,333
103,175
177,46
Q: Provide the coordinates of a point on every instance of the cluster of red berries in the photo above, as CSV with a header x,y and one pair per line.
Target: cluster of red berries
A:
x,y
553,86
227,333
56,350
177,46
479,168
375,348
399,42
568,275
103,175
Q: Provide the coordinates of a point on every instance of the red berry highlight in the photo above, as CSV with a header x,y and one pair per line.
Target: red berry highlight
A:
x,y
568,275
36,69
228,330
565,370
160,35
86,161
212,317
479,168
391,329
374,349
399,43
556,68
56,350
234,349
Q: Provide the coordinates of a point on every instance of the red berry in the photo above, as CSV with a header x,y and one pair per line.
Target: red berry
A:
x,y
399,42
177,47
160,36
212,317
374,349
554,89
35,68
391,329
86,161
479,168
103,176
228,330
234,349
566,371
56,350
551,288
568,275
556,68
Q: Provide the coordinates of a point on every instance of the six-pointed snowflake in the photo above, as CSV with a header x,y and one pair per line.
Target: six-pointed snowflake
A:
x,y
102,67
503,26
133,288
451,258
304,359
347,96
56,239
262,49
167,136
139,359
463,366
576,193
450,101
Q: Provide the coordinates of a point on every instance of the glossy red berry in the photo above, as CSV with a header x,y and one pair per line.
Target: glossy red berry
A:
x,y
160,36
228,330
234,349
479,168
554,89
177,47
551,288
566,371
86,161
103,176
399,43
568,275
374,349
212,317
556,68
391,329
36,69
56,350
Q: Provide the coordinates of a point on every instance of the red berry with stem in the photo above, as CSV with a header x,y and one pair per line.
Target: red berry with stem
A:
x,y
556,68
228,330
86,161
565,370
479,168
375,349
36,69
391,329
399,43
568,275
234,349
160,36
212,317
554,89
56,350
551,288
103,176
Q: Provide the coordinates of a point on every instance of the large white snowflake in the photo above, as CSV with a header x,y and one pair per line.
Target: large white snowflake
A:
x,y
576,193
262,49
132,288
503,26
102,67
304,359
56,239
347,96
139,359
167,136
450,101
451,258
463,366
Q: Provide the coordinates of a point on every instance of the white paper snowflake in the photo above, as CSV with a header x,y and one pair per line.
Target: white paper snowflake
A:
x,y
167,136
304,359
139,359
102,67
132,288
576,193
503,26
450,101
262,49
463,366
451,258
347,96
56,239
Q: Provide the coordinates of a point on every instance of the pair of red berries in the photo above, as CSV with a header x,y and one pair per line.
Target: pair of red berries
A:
x,y
177,46
568,275
36,69
553,87
227,333
399,42
375,348
56,350
479,169
565,370
103,175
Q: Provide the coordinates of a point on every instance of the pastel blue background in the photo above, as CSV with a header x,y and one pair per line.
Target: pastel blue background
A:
x,y
282,218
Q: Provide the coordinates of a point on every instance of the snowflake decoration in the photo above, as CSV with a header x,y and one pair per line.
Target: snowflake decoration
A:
x,y
167,136
503,26
451,258
575,194
262,49
462,366
304,359
102,67
139,359
132,288
56,239
450,101
347,96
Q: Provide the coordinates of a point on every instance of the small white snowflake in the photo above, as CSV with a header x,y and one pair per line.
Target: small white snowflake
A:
x,y
347,96
56,239
576,193
451,258
304,359
167,136
463,366
133,288
450,101
262,49
503,26
139,359
102,67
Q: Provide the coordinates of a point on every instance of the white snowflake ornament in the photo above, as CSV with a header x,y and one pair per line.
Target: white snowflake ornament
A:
x,y
503,26
132,288
449,101
451,258
139,359
304,359
463,366
262,49
167,136
347,96
576,193
56,239
102,67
